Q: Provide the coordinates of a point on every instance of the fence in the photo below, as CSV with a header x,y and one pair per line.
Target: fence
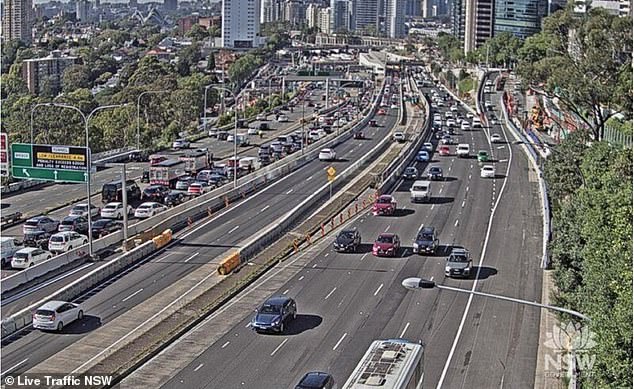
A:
x,y
616,136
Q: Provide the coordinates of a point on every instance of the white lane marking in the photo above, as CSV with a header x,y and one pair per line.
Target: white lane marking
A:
x,y
163,257
233,229
43,285
314,266
132,295
467,189
330,294
9,370
387,228
378,289
289,191
363,256
500,147
325,255
248,325
440,190
404,329
475,281
279,347
192,257
309,178
432,206
432,278
286,291
503,160
456,223
300,278
463,201
198,367
340,340
227,343
265,208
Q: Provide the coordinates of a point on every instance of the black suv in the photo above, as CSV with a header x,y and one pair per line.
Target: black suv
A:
x,y
347,240
155,193
273,314
426,241
316,380
435,173
37,238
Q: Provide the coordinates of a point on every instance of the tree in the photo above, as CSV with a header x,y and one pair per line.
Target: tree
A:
x,y
211,62
9,53
586,62
198,33
75,77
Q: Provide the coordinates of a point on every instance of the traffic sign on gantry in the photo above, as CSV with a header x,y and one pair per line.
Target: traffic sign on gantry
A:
x,y
50,162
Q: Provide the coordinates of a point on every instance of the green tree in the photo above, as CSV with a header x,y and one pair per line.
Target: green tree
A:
x,y
586,62
9,53
75,77
198,33
211,62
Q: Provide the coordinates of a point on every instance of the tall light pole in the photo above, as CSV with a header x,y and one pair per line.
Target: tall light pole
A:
x,y
419,283
303,133
138,115
89,162
222,89
339,88
205,106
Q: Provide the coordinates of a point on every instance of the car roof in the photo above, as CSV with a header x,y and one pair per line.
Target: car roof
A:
x,y
148,203
114,203
314,379
351,229
72,217
39,217
426,229
27,250
387,235
277,300
53,305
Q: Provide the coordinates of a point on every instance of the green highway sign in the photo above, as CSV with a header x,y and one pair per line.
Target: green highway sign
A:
x,y
50,163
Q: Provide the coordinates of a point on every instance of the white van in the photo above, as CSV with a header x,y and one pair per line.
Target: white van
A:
x,y
9,247
420,191
462,150
249,163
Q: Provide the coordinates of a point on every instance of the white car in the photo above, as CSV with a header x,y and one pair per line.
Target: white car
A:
x,y
252,131
399,136
454,108
469,115
496,138
180,144
464,125
394,106
428,146
327,155
82,210
114,211
282,118
438,122
487,171
149,209
66,241
230,138
261,117
314,136
451,122
28,257
54,315
462,150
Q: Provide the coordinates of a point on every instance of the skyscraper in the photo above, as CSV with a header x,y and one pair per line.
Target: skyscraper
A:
x,y
17,20
341,16
240,23
478,23
523,18
367,16
412,8
82,10
395,18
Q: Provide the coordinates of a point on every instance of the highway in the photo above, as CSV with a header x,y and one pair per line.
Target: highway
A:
x,y
347,300
204,244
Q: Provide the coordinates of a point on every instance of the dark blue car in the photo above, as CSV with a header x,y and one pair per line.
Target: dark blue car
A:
x,y
274,314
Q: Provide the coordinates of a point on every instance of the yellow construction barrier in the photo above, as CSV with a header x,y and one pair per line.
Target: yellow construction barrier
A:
x,y
229,264
163,239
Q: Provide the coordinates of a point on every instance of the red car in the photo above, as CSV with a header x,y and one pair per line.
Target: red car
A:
x,y
444,150
386,245
381,112
384,205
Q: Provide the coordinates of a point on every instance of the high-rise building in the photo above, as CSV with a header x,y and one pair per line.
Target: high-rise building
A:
x,y
170,5
324,20
523,18
395,18
17,20
271,11
478,25
240,23
312,15
367,15
294,12
412,8
457,18
341,16
82,10
45,74
615,7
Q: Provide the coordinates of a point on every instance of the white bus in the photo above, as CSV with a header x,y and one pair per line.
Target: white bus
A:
x,y
389,364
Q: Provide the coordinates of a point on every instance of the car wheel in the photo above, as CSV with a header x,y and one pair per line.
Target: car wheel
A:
x,y
80,315
85,242
70,248
31,264
60,326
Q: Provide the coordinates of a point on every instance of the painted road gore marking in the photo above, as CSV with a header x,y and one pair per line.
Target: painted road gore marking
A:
x,y
340,340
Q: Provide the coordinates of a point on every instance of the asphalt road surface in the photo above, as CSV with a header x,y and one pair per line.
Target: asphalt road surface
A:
x,y
206,243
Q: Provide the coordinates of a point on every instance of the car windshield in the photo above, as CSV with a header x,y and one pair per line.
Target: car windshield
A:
x,y
80,208
384,239
410,170
152,189
21,255
31,223
384,200
457,258
45,312
110,206
420,188
347,235
144,207
67,222
57,239
100,223
425,237
270,308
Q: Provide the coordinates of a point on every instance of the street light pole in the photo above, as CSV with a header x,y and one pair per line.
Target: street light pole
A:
x,y
235,132
138,115
303,133
419,283
205,107
89,162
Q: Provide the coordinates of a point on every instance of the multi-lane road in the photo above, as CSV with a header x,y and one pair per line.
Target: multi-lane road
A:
x,y
347,300
202,245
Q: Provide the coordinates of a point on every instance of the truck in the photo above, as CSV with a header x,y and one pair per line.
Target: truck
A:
x,y
167,172
196,161
249,164
155,159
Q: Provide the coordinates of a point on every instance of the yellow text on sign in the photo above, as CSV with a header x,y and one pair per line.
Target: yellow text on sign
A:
x,y
61,157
